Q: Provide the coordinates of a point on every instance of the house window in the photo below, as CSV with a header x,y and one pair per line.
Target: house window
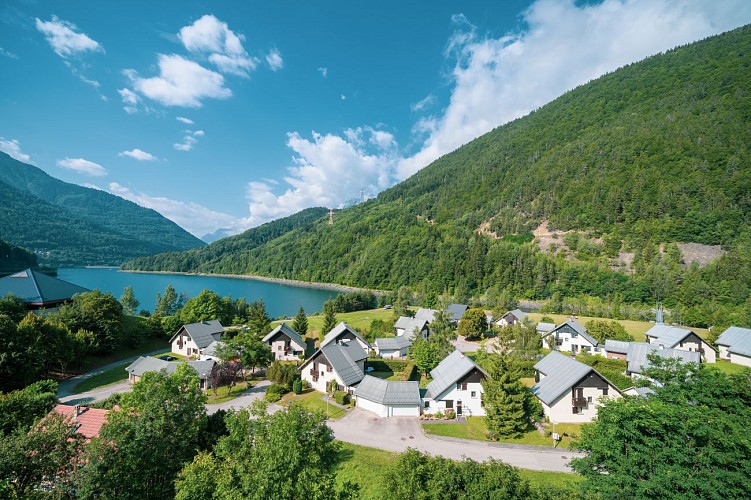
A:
x,y
329,369
473,394
279,348
681,344
461,387
589,399
449,404
575,410
427,404
604,391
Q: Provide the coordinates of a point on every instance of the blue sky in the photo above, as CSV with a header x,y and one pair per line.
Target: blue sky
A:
x,y
228,114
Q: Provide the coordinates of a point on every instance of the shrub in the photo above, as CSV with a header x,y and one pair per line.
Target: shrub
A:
x,y
297,386
409,371
282,373
275,392
341,397
450,414
305,384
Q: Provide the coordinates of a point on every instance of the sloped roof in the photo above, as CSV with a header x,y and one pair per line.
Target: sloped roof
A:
x,y
545,327
89,421
456,311
618,346
518,314
410,325
667,335
338,330
343,359
452,368
388,392
579,329
35,288
561,373
637,360
737,340
202,333
148,364
288,331
392,343
426,314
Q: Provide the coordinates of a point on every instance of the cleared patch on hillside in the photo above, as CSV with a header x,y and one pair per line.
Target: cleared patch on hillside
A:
x,y
701,254
547,238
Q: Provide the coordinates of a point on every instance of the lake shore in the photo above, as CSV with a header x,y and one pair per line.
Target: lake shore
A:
x,y
282,281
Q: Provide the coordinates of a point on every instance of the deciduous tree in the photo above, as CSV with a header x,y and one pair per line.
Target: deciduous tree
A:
x,y
473,324
129,301
425,355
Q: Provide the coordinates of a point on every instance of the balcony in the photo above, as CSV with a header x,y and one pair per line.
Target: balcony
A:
x,y
580,402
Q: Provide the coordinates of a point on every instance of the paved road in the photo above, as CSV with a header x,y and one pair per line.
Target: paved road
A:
x,y
399,433
244,400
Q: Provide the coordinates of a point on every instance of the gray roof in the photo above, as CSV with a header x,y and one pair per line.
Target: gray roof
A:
x,y
148,364
636,357
666,335
426,314
618,346
410,325
202,333
737,340
339,330
561,373
579,329
388,392
284,329
344,358
456,311
36,288
518,314
452,368
210,349
392,343
545,327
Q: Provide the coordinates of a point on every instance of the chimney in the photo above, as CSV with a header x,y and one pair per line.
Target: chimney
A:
x,y
659,318
76,411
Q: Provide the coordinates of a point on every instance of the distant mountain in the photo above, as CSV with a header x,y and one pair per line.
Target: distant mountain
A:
x,y
216,235
653,153
13,258
68,224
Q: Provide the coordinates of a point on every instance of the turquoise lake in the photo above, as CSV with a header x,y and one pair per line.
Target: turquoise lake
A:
x,y
280,299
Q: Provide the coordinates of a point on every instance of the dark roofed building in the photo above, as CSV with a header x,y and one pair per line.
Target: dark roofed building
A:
x,y
38,290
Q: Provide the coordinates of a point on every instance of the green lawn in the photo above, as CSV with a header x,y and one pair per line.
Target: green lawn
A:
x,y
729,367
368,467
311,400
635,328
94,361
475,429
386,375
225,393
107,377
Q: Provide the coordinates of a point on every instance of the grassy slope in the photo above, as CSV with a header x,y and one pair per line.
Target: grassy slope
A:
x,y
476,429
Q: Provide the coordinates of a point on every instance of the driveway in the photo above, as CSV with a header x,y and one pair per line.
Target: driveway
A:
x,y
399,433
97,394
245,399
465,346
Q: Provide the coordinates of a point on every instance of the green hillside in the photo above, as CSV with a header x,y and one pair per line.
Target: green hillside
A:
x,y
120,216
656,152
13,258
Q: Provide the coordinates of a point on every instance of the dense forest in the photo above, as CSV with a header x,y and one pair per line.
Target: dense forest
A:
x,y
654,153
69,224
13,258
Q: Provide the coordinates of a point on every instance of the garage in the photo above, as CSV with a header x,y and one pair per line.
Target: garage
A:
x,y
388,398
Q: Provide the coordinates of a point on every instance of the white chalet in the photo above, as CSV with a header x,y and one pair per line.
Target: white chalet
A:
x,y
570,390
571,336
456,386
193,338
343,362
735,345
286,344
679,338
511,318
392,347
344,333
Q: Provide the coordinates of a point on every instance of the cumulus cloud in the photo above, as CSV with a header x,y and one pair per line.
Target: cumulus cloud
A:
x,y
139,154
181,82
82,166
12,148
327,170
130,100
64,40
70,45
565,44
182,119
323,71
212,38
274,60
196,219
189,140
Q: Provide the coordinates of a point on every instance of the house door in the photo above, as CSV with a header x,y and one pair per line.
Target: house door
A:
x,y
458,408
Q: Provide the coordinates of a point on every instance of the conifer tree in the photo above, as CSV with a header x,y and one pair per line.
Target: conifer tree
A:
x,y
504,397
300,324
329,317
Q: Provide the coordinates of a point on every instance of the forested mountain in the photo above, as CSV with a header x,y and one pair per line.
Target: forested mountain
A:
x,y
69,224
13,258
653,153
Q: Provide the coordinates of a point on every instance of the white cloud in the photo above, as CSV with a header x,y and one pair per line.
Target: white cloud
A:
x,y
69,45
195,218
82,166
424,103
182,119
13,149
565,44
189,140
324,71
64,40
343,97
181,82
328,170
138,154
211,37
7,53
274,60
